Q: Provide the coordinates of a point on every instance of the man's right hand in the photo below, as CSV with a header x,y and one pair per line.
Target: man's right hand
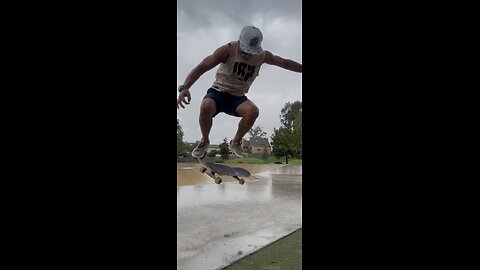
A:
x,y
181,98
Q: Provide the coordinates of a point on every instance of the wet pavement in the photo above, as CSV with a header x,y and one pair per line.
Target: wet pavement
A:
x,y
219,224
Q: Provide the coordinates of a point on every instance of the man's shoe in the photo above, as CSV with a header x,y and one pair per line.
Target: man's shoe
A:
x,y
236,149
200,150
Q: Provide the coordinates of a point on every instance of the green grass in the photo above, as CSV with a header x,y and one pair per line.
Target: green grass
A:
x,y
295,162
269,160
285,253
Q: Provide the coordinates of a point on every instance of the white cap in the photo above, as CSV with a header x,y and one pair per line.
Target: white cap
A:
x,y
251,40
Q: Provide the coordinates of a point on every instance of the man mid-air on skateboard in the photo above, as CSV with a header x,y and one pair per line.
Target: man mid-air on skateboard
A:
x,y
240,62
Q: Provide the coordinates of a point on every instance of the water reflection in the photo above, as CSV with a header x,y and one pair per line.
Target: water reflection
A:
x,y
201,195
195,188
291,170
189,173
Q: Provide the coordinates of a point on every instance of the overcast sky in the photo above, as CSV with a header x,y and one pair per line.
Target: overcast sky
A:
x,y
203,26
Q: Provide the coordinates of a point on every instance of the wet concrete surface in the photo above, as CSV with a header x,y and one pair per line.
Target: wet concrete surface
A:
x,y
188,173
219,224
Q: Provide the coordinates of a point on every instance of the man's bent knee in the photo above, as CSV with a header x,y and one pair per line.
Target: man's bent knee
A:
x,y
208,106
253,112
248,109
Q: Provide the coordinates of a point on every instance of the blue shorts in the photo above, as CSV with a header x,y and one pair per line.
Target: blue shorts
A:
x,y
225,102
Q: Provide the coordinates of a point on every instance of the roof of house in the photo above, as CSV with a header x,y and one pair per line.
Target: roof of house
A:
x,y
259,142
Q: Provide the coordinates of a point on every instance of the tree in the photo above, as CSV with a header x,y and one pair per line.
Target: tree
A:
x,y
287,140
289,113
224,149
181,149
297,122
286,143
213,153
257,132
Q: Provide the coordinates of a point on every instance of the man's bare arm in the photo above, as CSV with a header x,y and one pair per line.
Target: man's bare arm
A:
x,y
209,62
282,62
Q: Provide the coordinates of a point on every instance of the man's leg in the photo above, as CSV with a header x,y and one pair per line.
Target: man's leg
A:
x,y
207,111
249,113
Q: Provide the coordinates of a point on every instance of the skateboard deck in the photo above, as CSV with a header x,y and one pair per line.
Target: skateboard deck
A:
x,y
216,170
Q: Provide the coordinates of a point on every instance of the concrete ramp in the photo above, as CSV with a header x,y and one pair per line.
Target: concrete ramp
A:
x,y
219,224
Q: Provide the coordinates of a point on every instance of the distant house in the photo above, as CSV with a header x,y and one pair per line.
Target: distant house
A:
x,y
213,147
258,146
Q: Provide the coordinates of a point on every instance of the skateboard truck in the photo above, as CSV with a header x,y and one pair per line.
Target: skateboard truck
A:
x,y
217,179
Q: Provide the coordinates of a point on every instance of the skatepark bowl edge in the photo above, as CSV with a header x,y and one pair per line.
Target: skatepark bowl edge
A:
x,y
218,224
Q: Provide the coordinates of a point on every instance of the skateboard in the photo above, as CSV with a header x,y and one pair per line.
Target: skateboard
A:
x,y
217,170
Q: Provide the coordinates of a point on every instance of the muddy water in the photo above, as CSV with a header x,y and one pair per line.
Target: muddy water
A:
x,y
189,173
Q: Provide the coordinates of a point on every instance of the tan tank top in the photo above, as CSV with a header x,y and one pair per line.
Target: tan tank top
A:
x,y
237,74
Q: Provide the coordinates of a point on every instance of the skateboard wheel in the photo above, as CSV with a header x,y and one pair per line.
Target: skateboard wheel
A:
x,y
218,180
241,181
203,169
